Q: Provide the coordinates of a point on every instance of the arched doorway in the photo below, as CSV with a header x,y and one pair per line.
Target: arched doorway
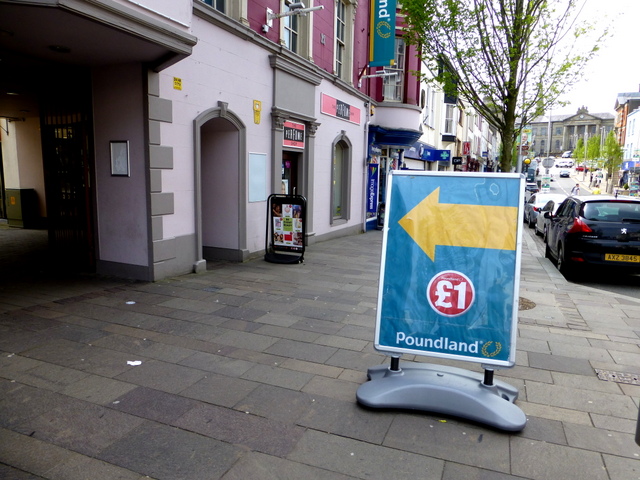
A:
x,y
220,168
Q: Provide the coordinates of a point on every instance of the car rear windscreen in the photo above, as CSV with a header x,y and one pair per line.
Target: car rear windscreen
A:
x,y
615,211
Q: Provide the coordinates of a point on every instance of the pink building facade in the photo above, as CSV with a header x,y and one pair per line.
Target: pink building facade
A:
x,y
176,120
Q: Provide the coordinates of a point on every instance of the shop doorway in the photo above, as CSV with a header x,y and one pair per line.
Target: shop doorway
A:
x,y
290,173
67,153
221,172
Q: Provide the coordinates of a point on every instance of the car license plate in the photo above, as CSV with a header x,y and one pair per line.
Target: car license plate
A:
x,y
615,257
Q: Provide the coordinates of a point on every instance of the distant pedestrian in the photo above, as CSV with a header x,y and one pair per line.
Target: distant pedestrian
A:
x,y
576,190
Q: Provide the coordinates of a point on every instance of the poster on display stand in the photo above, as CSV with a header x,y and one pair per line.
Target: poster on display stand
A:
x,y
449,282
286,229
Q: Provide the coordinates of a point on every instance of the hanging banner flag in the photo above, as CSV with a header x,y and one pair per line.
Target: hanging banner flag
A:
x,y
383,33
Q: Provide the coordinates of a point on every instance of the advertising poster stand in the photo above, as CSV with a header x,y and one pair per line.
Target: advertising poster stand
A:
x,y
451,293
286,229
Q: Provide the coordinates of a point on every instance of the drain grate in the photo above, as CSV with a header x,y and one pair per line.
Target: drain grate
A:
x,y
618,377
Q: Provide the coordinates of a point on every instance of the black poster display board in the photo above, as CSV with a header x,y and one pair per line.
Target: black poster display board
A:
x,y
286,228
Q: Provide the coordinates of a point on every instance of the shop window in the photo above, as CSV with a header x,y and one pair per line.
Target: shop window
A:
x,y
394,85
449,119
341,30
340,180
428,106
217,4
294,33
236,9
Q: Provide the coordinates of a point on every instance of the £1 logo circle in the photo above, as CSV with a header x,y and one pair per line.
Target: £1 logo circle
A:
x,y
450,293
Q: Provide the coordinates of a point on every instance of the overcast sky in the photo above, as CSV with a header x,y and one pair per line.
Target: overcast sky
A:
x,y
616,69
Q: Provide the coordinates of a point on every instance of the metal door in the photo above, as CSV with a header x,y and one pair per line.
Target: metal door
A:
x,y
67,145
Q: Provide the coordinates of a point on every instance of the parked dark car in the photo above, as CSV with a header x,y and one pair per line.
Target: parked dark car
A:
x,y
535,203
541,226
595,231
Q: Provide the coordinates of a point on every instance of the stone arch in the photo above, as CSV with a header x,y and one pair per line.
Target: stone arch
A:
x,y
220,130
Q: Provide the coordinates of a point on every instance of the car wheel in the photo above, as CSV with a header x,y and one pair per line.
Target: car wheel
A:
x,y
524,218
547,251
535,229
564,266
545,234
531,223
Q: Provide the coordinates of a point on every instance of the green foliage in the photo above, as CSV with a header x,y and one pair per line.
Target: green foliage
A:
x,y
578,152
593,148
509,59
612,153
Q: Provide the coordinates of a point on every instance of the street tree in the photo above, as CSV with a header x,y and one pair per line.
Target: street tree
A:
x,y
593,148
509,59
578,152
612,153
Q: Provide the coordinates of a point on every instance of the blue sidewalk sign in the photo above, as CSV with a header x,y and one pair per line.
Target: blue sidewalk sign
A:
x,y
450,266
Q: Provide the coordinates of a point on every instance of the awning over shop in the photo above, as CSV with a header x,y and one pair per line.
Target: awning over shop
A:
x,y
400,138
419,151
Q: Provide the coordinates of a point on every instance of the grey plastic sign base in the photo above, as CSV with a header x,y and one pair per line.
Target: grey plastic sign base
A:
x,y
443,389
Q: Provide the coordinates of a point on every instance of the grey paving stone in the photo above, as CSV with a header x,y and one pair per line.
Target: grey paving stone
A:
x,y
33,458
240,313
11,363
620,468
162,376
249,341
363,460
301,350
456,471
217,364
319,313
544,429
9,473
98,390
242,429
265,467
581,400
19,403
219,390
604,441
331,387
347,419
623,425
75,333
450,439
357,360
153,404
80,467
289,333
168,453
558,363
50,377
536,460
276,403
81,357
316,325
278,376
81,427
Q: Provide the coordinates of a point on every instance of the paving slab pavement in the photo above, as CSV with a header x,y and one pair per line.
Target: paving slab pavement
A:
x,y
249,371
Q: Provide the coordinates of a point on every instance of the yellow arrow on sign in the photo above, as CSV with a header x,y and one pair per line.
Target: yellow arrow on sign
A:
x,y
432,223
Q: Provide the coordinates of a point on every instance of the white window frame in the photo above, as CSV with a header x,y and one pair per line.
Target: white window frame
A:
x,y
301,30
393,86
449,119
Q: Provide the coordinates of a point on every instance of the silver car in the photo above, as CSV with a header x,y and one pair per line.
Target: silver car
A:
x,y
542,223
536,202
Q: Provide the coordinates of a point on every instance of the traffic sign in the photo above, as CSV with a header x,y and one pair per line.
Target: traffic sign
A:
x,y
450,266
